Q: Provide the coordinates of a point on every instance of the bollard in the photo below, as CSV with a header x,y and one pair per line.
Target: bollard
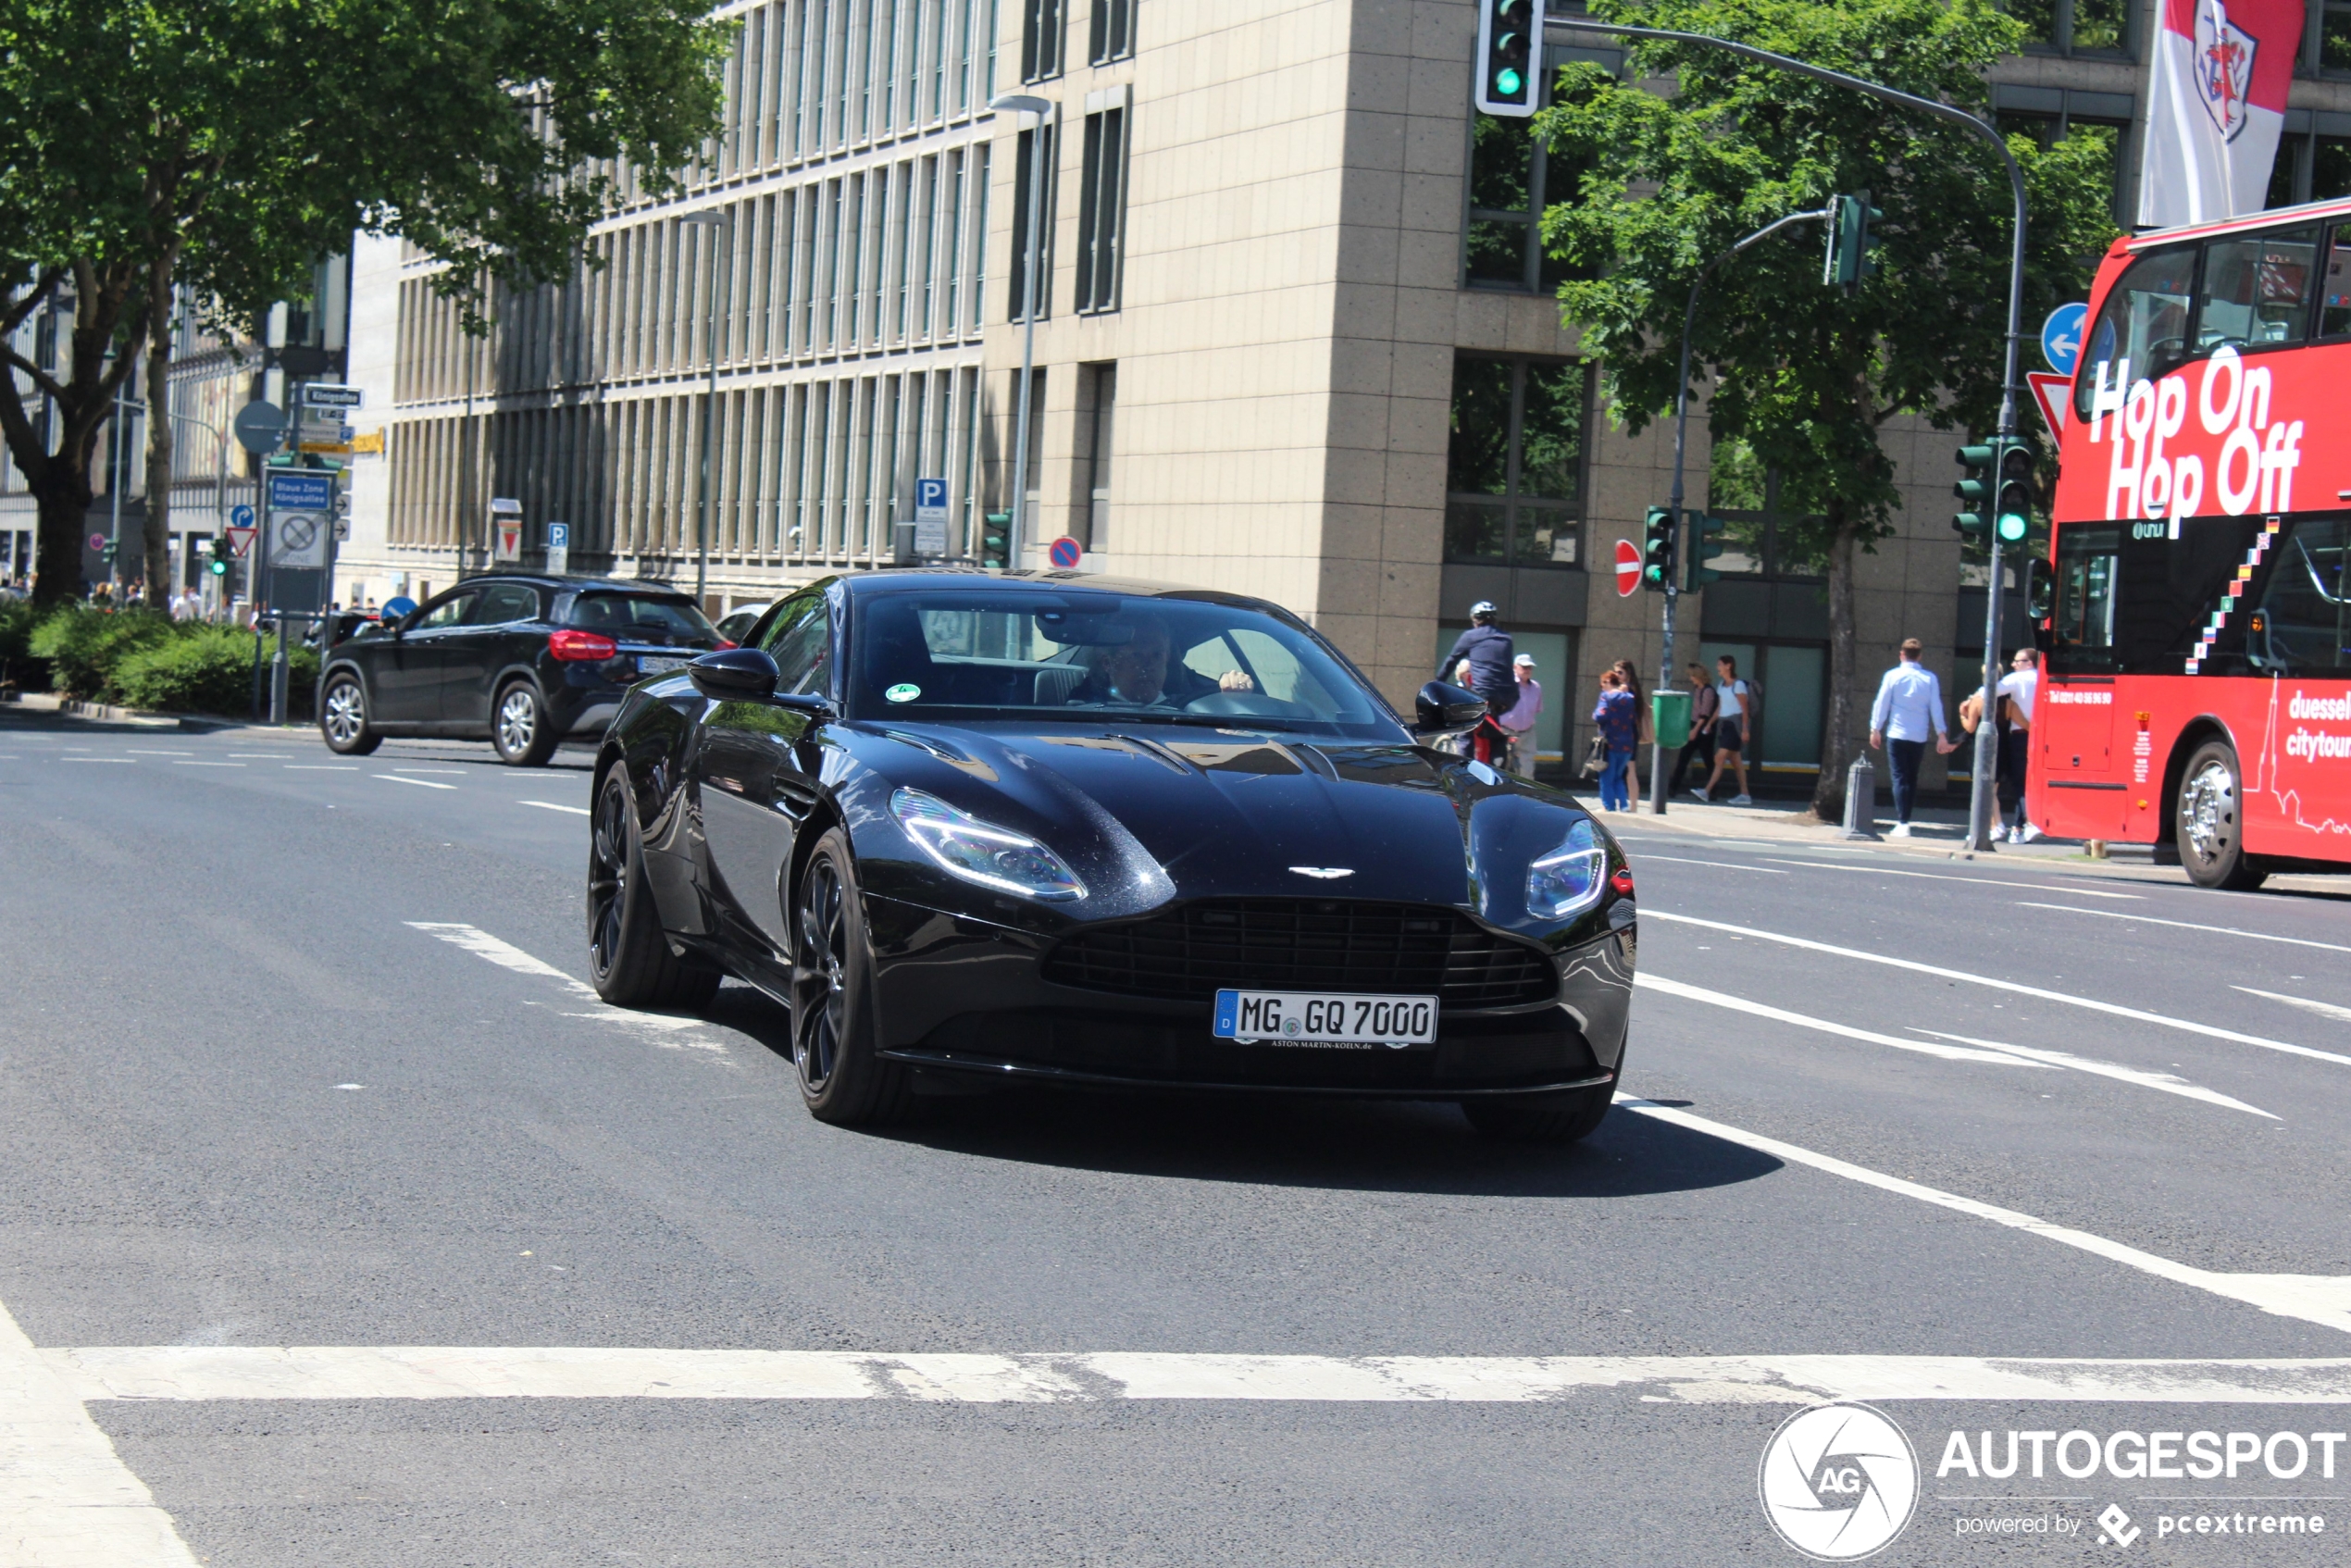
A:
x,y
1861,800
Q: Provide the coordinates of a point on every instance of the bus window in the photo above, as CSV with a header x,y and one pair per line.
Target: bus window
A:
x,y
2085,580
2303,624
2144,320
2256,290
2334,300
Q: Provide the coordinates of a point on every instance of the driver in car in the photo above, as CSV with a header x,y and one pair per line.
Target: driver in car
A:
x,y
1139,673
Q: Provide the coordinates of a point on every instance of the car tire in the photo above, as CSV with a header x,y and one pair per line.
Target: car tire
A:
x,y
520,726
628,958
843,1078
2207,821
1568,1116
343,716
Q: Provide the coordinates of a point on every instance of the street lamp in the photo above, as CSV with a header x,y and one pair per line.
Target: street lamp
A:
x,y
723,220
1022,102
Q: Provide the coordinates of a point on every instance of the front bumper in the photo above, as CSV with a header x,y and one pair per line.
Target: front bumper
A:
x,y
960,994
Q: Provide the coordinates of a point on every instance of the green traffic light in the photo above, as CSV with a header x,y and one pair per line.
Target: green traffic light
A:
x,y
1507,82
2013,527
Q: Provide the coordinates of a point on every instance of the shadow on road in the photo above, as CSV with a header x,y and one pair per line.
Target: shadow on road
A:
x,y
1365,1145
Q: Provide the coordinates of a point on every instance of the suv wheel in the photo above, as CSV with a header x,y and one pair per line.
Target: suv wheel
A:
x,y
342,717
520,726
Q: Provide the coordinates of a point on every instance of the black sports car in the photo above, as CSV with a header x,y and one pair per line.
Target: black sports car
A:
x,y
1097,831
523,658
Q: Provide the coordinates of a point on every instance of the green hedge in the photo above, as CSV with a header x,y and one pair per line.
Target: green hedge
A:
x,y
83,646
18,618
206,669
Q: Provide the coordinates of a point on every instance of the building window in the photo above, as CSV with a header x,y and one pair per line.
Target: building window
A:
x,y
1760,540
1512,175
1102,211
1040,40
1016,310
2075,27
2326,38
2310,167
1114,32
1514,464
1098,386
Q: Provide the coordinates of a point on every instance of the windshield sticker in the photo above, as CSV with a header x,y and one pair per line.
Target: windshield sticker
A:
x,y
904,691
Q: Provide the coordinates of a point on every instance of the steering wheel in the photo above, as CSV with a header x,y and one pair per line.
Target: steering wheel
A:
x,y
1241,704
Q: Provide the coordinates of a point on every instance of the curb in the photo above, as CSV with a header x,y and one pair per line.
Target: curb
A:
x,y
103,713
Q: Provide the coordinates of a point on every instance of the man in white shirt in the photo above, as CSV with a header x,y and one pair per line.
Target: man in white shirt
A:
x,y
1519,722
1909,709
2017,689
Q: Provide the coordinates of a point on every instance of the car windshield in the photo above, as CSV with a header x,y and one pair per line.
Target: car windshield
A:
x,y
1088,656
644,617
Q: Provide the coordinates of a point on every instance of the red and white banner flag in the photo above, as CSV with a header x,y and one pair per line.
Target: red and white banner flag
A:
x,y
2216,101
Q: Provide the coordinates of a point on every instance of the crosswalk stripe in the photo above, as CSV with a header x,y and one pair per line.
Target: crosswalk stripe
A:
x,y
408,1372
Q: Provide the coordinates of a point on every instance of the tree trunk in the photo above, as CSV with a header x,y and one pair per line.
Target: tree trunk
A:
x,y
63,495
160,588
1839,728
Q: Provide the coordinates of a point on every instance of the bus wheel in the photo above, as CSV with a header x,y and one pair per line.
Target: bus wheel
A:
x,y
2211,822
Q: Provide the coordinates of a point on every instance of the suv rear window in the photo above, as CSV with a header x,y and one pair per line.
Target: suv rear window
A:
x,y
644,617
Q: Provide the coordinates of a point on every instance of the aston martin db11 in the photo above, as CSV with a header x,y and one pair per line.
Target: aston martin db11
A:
x,y
1086,831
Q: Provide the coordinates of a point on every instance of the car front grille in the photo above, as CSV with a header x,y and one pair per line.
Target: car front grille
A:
x,y
1189,952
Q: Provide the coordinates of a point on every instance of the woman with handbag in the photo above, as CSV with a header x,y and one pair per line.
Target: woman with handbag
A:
x,y
1617,716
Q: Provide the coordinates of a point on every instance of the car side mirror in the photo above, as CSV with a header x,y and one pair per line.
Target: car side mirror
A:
x,y
735,674
1445,709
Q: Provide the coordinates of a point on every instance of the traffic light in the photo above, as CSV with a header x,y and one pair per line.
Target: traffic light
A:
x,y
219,545
2012,516
1982,462
1849,242
1506,31
107,552
1657,550
1705,544
996,541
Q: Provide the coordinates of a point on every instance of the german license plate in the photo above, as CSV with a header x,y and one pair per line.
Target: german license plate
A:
x,y
1332,1022
656,663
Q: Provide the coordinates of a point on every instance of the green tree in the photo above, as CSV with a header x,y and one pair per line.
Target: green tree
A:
x,y
1807,378
224,146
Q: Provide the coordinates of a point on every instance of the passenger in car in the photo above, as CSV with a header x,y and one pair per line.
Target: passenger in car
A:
x,y
1139,674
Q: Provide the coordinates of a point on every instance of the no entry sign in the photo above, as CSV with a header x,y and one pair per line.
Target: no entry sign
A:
x,y
1628,568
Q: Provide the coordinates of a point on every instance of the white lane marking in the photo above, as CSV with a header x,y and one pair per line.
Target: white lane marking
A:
x,y
2191,926
125,761
2115,1009
549,805
319,767
2170,1083
420,783
1946,876
1740,1004
2323,1009
208,764
261,756
403,1372
507,956
1725,864
2321,1299
67,1500
136,752
452,772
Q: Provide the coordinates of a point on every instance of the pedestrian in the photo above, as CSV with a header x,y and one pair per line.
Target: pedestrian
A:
x,y
2017,690
1617,714
1630,678
1735,704
1909,709
1519,723
1486,648
1704,704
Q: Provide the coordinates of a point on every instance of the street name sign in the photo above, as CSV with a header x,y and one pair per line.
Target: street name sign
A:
x,y
299,490
323,394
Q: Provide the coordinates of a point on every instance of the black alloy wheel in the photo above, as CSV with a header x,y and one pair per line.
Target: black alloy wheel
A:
x,y
842,1078
2208,822
628,957
520,726
342,717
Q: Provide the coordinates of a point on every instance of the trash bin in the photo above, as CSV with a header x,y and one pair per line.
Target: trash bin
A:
x,y
1670,712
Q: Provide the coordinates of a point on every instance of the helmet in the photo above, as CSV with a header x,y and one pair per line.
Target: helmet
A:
x,y
1482,607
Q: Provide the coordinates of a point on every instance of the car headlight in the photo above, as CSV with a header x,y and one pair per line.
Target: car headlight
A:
x,y
983,853
1570,878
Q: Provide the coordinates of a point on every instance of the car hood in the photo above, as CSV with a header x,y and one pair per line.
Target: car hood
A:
x,y
1228,813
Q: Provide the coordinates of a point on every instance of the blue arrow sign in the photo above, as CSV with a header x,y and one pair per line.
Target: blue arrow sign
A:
x,y
241,516
2061,337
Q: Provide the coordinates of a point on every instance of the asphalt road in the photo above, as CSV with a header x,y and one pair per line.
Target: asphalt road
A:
x,y
293,1052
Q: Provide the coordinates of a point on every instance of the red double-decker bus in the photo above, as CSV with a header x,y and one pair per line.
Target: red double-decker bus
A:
x,y
2197,685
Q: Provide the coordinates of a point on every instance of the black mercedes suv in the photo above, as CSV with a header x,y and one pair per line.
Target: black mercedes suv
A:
x,y
520,658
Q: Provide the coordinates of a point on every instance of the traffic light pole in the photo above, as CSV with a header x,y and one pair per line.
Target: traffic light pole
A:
x,y
1673,499
1980,801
